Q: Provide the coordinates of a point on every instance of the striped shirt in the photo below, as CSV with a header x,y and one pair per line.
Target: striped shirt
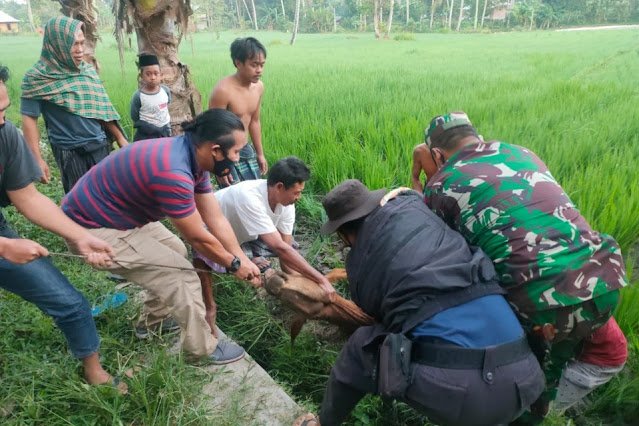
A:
x,y
138,184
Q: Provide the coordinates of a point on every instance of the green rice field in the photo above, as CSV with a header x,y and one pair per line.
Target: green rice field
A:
x,y
354,107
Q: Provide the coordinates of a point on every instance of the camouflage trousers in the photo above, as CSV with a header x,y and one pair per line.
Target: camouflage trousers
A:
x,y
572,324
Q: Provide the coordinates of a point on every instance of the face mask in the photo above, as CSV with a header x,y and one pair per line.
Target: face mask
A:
x,y
223,167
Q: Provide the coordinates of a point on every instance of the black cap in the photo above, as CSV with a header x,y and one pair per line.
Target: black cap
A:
x,y
146,60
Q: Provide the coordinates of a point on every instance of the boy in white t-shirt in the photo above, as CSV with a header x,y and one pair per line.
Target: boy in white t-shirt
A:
x,y
262,215
150,103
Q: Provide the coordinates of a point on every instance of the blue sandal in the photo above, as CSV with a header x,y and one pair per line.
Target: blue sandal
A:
x,y
108,301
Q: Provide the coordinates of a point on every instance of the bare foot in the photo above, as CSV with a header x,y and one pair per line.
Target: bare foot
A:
x,y
307,420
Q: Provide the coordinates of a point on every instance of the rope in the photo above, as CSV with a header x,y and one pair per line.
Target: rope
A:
x,y
79,256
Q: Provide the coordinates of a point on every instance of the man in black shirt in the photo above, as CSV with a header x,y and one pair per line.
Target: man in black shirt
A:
x,y
24,270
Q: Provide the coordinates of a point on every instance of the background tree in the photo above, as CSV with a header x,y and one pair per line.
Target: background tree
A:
x,y
296,22
461,15
155,22
376,17
390,19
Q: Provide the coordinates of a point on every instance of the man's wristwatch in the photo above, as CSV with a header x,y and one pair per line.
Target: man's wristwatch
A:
x,y
235,265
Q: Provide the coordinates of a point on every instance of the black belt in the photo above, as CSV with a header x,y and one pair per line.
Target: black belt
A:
x,y
446,355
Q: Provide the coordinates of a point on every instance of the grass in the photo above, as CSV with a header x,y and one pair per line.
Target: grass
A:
x,y
352,107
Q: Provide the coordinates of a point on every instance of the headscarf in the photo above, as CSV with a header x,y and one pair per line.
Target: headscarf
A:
x,y
57,79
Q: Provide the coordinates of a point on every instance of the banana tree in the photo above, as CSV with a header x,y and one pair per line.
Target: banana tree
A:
x,y
154,22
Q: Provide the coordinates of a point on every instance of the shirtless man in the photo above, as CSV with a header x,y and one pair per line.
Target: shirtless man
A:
x,y
422,160
241,93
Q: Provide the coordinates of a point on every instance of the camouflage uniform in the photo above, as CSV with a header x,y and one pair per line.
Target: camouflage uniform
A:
x,y
556,269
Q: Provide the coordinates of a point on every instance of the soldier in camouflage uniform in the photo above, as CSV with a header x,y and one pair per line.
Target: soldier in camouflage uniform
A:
x,y
563,278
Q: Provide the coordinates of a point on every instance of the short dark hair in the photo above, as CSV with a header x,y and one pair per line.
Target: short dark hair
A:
x,y
289,171
214,125
246,48
4,74
450,139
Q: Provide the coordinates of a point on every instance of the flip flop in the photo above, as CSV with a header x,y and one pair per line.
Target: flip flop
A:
x,y
106,302
261,262
117,384
306,419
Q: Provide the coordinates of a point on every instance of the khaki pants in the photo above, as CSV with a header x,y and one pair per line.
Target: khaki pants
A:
x,y
170,292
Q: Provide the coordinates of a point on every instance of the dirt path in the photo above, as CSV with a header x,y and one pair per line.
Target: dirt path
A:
x,y
607,27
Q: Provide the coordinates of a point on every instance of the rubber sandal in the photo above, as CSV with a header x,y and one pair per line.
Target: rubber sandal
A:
x,y
306,419
108,301
118,384
263,264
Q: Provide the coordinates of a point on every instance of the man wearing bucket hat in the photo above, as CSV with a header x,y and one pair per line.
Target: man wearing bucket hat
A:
x,y
433,298
562,277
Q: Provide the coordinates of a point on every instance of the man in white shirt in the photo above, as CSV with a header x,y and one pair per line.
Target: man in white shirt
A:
x,y
262,215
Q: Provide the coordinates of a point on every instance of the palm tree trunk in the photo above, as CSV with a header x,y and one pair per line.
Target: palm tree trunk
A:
x,y
476,13
461,15
532,18
296,21
30,16
484,13
248,12
283,10
239,12
407,11
376,18
432,13
154,22
83,10
390,19
254,15
450,14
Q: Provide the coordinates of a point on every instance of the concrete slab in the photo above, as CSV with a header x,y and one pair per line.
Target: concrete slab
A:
x,y
246,395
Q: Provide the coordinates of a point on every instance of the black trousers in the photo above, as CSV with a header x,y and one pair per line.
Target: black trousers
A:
x,y
447,396
75,162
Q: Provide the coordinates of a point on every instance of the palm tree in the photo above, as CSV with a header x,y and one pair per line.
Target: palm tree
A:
x,y
296,21
84,10
483,15
433,7
476,13
254,15
407,11
450,14
461,15
30,16
154,22
390,19
376,18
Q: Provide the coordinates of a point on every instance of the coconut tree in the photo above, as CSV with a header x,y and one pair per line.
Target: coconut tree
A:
x,y
85,11
390,19
154,22
461,15
483,15
30,16
254,15
296,21
376,18
476,13
433,7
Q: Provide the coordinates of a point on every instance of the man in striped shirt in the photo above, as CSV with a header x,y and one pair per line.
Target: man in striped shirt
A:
x,y
122,198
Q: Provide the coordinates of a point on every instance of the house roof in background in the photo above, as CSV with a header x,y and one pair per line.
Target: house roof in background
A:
x,y
6,19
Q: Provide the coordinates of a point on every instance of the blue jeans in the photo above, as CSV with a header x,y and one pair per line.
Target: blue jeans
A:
x,y
42,284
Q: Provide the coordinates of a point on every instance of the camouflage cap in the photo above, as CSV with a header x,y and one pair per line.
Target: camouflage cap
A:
x,y
441,123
